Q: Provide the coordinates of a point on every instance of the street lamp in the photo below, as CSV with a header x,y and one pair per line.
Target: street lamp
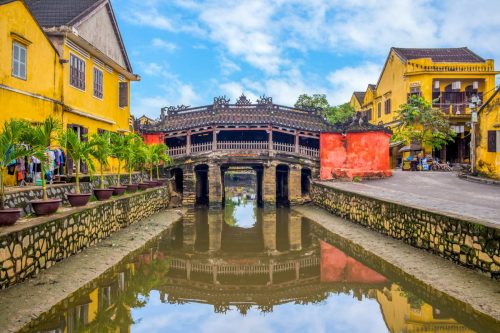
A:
x,y
475,101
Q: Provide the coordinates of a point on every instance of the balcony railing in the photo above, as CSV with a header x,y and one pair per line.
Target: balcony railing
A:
x,y
245,146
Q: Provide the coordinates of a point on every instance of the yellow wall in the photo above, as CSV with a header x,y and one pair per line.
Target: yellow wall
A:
x,y
355,103
488,163
43,68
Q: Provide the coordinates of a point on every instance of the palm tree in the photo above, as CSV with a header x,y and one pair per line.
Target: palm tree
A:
x,y
130,146
160,155
40,137
79,151
101,151
10,149
141,156
119,145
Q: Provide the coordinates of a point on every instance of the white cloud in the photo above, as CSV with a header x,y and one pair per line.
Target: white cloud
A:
x,y
164,45
346,80
151,68
174,92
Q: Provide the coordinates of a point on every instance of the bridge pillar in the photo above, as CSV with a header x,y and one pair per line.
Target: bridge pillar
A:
x,y
269,229
295,231
215,221
215,185
189,231
295,184
269,185
189,186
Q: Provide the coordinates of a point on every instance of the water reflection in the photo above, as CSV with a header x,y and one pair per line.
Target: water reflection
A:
x,y
278,274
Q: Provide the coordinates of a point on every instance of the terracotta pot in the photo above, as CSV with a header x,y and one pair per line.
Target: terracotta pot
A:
x,y
45,207
9,216
132,188
118,190
103,194
78,200
143,186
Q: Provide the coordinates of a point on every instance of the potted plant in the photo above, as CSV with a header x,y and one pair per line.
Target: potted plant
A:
x,y
39,138
101,151
130,140
140,160
160,156
10,149
119,151
79,151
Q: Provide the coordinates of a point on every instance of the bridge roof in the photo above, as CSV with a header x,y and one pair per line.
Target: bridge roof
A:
x,y
243,112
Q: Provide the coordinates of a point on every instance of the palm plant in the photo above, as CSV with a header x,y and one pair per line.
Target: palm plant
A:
x,y
130,153
10,149
101,151
119,145
39,138
141,156
160,155
79,151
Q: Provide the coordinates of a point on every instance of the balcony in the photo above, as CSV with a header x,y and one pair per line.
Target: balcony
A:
x,y
454,103
247,146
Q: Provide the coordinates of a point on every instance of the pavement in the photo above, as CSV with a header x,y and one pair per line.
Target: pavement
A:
x,y
434,191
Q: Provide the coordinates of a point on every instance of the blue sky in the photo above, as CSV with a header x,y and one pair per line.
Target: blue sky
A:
x,y
188,52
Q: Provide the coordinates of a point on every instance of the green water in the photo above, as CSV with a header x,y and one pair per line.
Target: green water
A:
x,y
246,269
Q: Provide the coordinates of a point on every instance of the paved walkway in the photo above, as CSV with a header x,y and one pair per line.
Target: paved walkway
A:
x,y
437,191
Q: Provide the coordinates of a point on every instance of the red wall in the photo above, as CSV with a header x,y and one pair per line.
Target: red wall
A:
x,y
336,266
364,154
153,138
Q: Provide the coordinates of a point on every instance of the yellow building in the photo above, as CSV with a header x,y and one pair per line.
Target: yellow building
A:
x,y
64,59
404,312
488,137
447,76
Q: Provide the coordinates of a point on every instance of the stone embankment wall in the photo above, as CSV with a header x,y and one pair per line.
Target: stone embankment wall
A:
x,y
468,242
20,197
38,243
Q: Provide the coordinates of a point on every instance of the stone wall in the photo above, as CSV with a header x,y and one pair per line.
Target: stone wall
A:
x,y
38,243
20,197
468,242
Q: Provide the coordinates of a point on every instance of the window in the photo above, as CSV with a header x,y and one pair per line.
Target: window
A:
x,y
387,106
98,83
19,60
369,114
493,141
76,72
379,109
123,98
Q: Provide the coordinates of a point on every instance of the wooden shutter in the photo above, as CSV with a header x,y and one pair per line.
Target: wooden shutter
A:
x,y
492,141
123,102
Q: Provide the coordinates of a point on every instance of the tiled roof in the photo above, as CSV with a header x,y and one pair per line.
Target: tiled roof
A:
x,y
360,96
460,54
275,115
372,86
3,2
56,13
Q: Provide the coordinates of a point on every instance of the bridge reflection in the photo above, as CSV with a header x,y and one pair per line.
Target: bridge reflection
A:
x,y
278,259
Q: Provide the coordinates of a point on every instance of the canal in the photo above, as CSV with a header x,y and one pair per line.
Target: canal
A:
x,y
249,269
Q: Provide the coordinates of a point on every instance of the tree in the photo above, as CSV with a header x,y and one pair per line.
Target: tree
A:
x,y
101,152
79,151
340,113
334,114
10,149
130,140
160,155
119,147
312,102
39,138
420,123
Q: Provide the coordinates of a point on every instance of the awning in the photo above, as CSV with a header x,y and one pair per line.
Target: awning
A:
x,y
412,147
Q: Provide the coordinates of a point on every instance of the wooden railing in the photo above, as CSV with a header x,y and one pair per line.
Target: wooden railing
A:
x,y
242,145
245,146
